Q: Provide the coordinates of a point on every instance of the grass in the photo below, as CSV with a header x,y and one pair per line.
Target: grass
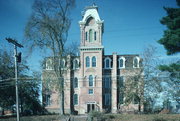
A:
x,y
109,117
146,117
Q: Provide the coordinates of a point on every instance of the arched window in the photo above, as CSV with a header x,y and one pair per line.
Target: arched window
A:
x,y
86,35
93,61
75,82
136,62
94,35
75,99
122,62
107,63
87,61
90,80
90,35
75,64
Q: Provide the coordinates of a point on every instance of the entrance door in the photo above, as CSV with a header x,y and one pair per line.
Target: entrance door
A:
x,y
90,107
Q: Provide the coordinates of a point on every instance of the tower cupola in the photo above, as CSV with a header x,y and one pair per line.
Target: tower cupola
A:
x,y
91,27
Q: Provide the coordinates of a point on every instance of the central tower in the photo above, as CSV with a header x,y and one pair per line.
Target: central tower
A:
x,y
91,53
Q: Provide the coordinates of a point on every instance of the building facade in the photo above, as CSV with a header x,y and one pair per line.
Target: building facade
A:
x,y
93,80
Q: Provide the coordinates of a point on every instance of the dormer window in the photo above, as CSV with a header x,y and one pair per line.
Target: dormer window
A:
x,y
122,62
90,35
93,61
136,62
87,61
75,64
49,65
107,63
62,63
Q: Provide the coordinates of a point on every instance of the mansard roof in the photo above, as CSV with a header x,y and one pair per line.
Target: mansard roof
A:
x,y
91,11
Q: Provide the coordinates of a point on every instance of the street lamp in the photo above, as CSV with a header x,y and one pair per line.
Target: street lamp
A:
x,y
17,58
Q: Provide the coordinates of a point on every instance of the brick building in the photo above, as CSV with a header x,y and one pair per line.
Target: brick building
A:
x,y
93,79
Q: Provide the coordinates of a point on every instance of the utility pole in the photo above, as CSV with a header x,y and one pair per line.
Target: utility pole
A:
x,y
16,44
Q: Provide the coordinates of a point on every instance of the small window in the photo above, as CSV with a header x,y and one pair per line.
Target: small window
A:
x,y
136,62
75,82
90,91
93,61
90,35
75,99
87,61
90,80
86,36
94,35
75,64
107,63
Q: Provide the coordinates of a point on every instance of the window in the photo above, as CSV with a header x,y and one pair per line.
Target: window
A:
x,y
62,63
122,62
121,97
94,35
107,99
136,62
75,64
49,64
87,61
75,99
90,80
121,81
121,89
90,91
93,61
107,63
48,100
107,82
75,82
86,35
136,99
90,35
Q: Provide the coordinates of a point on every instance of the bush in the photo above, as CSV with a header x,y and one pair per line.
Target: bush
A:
x,y
99,116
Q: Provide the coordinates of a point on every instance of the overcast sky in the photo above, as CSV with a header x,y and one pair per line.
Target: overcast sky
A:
x,y
129,25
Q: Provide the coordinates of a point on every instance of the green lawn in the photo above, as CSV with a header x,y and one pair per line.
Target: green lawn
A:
x,y
108,117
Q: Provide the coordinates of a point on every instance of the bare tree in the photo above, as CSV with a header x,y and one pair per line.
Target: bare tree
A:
x,y
47,29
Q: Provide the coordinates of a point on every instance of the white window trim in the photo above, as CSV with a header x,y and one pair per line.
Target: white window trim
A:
x,y
64,63
138,59
49,67
107,58
124,61
74,63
